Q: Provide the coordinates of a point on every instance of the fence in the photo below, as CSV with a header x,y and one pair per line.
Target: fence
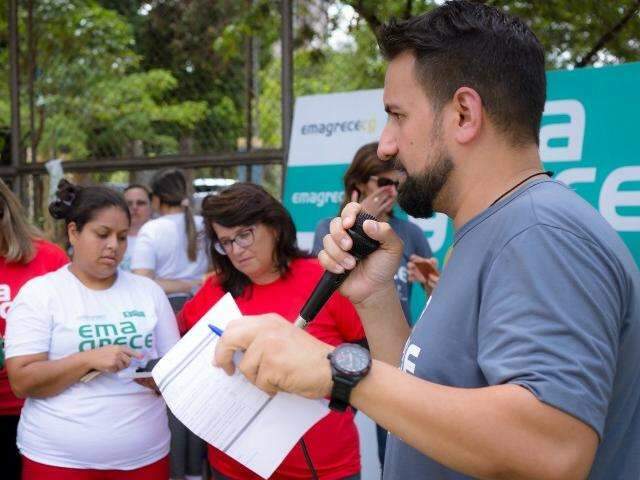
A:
x,y
117,93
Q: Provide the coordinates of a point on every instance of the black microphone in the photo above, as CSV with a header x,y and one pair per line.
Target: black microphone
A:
x,y
363,245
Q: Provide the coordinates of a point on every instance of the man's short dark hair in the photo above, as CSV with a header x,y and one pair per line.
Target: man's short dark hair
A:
x,y
463,43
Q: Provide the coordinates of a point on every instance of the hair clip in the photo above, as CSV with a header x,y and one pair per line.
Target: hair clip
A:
x,y
72,197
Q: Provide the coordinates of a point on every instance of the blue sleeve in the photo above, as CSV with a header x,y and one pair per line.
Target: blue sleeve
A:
x,y
419,241
549,321
321,230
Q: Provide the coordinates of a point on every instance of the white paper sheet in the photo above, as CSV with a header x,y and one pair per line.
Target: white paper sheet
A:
x,y
229,412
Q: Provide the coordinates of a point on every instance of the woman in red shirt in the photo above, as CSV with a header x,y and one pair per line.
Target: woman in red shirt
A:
x,y
254,254
23,256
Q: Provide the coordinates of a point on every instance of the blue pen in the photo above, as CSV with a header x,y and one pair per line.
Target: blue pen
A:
x,y
216,330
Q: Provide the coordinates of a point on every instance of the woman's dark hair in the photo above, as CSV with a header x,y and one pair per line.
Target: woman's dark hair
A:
x,y
365,164
80,204
170,186
16,233
246,204
464,43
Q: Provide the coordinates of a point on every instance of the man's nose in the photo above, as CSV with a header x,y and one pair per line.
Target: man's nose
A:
x,y
387,146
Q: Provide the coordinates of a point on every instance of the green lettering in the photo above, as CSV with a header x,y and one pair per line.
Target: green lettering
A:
x,y
107,330
120,341
90,345
85,331
133,339
104,341
127,327
148,340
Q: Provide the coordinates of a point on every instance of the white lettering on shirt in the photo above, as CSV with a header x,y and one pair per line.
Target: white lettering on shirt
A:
x,y
413,352
5,300
5,293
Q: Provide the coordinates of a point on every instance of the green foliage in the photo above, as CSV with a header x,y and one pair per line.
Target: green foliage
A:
x,y
568,29
64,132
315,72
92,98
124,77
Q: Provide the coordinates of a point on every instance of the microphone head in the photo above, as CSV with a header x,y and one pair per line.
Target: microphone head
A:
x,y
363,244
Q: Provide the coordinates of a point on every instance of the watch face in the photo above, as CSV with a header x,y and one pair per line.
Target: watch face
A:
x,y
351,359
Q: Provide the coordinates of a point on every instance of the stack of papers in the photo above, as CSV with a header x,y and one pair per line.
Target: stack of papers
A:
x,y
228,412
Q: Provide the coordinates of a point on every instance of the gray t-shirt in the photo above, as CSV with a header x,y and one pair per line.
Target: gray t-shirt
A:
x,y
540,292
414,243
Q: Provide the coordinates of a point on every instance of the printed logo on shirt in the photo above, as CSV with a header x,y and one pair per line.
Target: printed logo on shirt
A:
x,y
5,300
410,356
96,335
133,313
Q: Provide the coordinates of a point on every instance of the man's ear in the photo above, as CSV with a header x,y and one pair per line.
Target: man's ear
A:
x,y
467,107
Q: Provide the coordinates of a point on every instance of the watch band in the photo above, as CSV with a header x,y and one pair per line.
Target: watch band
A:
x,y
340,393
345,380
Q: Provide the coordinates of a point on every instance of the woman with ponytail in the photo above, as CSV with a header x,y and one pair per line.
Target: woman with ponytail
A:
x,y
69,335
170,249
23,255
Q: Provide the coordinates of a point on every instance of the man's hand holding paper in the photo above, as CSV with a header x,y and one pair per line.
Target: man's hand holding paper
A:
x,y
277,356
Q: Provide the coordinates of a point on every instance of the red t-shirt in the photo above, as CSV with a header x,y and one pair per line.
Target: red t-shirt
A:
x,y
333,442
48,257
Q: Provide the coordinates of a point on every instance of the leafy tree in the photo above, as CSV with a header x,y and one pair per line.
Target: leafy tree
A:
x,y
92,99
575,33
117,77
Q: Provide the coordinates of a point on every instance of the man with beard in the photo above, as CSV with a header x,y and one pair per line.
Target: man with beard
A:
x,y
525,362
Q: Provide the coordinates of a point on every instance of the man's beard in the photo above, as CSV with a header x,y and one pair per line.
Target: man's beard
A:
x,y
418,192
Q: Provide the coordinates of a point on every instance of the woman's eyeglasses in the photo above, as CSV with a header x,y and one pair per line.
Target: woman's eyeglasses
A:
x,y
244,239
385,182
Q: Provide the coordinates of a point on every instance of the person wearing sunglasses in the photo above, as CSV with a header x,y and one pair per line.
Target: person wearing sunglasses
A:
x,y
374,184
255,257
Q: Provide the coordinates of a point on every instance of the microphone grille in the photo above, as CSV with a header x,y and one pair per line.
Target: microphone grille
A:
x,y
363,244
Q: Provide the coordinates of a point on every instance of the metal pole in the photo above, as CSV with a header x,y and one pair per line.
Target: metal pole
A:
x,y
32,79
248,88
28,183
14,87
286,80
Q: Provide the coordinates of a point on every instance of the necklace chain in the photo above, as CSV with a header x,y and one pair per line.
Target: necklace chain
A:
x,y
547,172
